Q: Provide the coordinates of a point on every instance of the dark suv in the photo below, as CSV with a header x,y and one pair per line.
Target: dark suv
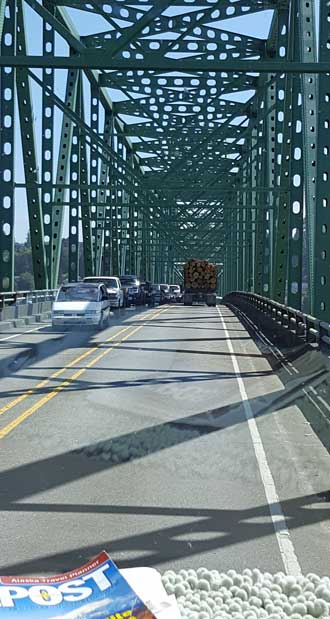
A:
x,y
147,292
165,293
133,292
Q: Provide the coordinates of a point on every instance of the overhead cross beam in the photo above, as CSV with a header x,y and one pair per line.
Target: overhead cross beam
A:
x,y
97,60
215,139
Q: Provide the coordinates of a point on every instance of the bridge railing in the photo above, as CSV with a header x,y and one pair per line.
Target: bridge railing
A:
x,y
25,303
306,328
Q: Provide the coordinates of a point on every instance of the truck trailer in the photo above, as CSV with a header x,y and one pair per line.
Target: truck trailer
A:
x,y
200,283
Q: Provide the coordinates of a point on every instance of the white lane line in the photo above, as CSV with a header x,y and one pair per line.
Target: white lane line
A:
x,y
282,533
11,337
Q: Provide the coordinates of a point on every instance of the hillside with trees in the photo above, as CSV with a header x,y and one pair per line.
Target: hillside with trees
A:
x,y
23,264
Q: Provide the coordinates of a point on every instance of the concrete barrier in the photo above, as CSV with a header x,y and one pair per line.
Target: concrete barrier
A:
x,y
28,306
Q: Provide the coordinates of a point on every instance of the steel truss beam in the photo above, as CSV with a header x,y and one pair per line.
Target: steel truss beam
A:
x,y
94,141
96,60
283,167
7,142
215,146
321,288
30,159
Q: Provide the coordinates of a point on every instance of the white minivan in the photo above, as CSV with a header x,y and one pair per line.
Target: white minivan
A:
x,y
113,286
81,303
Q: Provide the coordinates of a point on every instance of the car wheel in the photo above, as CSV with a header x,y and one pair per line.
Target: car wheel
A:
x,y
101,324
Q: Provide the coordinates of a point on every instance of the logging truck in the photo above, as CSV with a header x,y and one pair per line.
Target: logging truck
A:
x,y
200,283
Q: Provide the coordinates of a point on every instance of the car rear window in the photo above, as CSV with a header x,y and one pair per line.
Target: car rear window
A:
x,y
109,282
129,280
78,293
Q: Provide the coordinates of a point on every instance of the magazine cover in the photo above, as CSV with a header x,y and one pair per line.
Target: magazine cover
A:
x,y
96,590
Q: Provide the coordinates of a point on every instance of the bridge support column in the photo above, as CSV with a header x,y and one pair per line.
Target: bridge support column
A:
x,y
100,239
296,197
322,212
7,142
248,279
74,204
63,163
308,53
30,157
85,195
240,245
47,139
283,162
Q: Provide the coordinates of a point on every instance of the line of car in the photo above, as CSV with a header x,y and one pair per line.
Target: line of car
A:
x,y
90,301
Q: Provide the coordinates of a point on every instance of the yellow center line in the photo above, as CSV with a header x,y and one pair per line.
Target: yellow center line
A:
x,y
46,381
56,374
52,394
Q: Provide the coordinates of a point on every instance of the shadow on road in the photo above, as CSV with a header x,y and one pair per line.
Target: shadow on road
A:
x,y
195,531
18,483
167,543
165,377
214,529
25,354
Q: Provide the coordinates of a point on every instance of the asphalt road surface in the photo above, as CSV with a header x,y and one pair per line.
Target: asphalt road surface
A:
x,y
164,440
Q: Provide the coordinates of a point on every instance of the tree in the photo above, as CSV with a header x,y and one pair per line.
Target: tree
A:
x,y
24,281
24,267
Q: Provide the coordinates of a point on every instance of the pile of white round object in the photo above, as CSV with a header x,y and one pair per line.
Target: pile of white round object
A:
x,y
125,448
209,594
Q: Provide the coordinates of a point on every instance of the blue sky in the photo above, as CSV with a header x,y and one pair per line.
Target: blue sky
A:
x,y
257,24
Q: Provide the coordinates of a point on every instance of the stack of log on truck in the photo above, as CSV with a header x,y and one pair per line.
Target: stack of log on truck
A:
x,y
200,283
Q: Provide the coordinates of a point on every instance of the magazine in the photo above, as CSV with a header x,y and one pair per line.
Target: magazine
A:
x,y
96,590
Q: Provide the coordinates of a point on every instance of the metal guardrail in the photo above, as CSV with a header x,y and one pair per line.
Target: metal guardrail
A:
x,y
306,328
21,304
22,297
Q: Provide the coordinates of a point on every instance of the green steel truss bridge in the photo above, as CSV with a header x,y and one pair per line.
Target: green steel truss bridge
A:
x,y
171,130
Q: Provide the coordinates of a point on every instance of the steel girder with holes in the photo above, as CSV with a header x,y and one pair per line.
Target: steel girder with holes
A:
x,y
183,133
